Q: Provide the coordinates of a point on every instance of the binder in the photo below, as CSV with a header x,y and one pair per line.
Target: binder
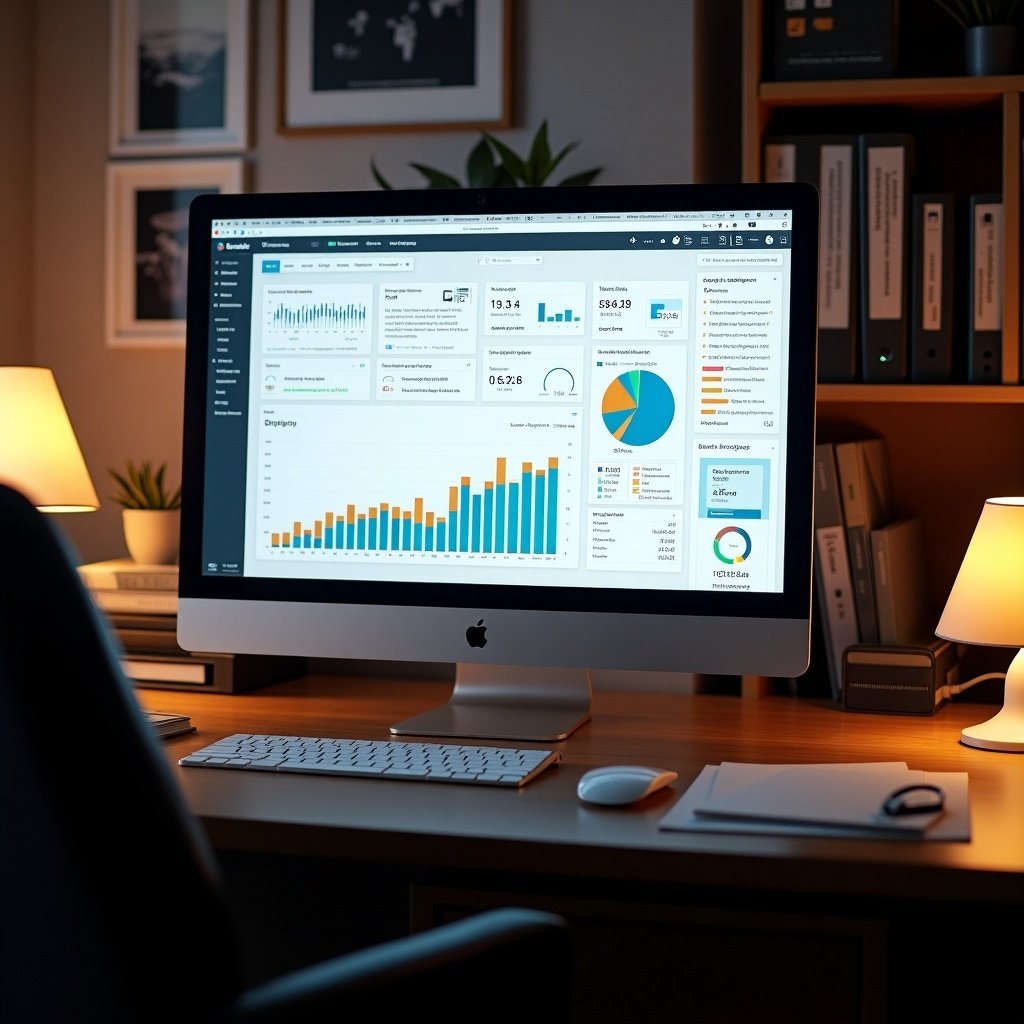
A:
x,y
836,600
985,313
931,295
863,471
901,584
829,162
885,163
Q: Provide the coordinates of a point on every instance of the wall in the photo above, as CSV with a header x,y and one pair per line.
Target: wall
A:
x,y
616,77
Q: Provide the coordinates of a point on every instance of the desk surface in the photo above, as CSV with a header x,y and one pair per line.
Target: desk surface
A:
x,y
544,829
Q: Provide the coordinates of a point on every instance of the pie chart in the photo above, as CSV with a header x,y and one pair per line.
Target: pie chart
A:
x,y
638,407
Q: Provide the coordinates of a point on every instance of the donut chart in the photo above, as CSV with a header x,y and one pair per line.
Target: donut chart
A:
x,y
732,545
638,407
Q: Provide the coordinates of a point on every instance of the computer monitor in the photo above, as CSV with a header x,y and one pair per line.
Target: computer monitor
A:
x,y
529,432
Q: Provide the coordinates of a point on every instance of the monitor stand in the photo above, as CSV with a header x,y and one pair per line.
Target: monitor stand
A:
x,y
508,702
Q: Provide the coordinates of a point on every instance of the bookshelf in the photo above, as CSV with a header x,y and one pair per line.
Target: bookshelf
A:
x,y
950,445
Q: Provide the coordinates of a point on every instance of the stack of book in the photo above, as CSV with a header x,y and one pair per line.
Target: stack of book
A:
x,y
141,604
870,564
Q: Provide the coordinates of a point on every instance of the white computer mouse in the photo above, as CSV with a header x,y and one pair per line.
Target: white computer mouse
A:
x,y
618,784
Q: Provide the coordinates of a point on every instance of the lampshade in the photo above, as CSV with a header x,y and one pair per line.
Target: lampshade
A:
x,y
39,453
986,606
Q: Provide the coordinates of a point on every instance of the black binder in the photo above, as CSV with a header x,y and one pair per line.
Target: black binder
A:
x,y
886,165
931,288
985,312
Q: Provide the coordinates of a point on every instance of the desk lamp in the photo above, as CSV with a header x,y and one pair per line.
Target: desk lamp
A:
x,y
39,453
986,606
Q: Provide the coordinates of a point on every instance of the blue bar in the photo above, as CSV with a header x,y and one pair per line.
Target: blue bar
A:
x,y
407,534
538,517
551,532
361,535
317,542
513,517
440,536
541,309
417,536
384,529
296,541
464,510
307,540
453,531
395,527
525,525
372,543
350,535
328,536
428,542
499,518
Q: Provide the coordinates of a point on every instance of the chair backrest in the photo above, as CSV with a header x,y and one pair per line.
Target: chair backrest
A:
x,y
110,902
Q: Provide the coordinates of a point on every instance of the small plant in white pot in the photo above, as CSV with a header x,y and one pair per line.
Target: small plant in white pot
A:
x,y
151,512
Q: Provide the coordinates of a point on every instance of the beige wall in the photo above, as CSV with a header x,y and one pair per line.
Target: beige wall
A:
x,y
615,76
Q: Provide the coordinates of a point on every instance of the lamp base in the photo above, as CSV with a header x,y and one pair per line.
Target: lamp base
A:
x,y
1004,731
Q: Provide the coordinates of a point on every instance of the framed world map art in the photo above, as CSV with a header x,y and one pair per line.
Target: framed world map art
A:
x,y
391,64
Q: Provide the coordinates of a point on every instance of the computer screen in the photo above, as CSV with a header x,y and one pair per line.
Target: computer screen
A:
x,y
529,432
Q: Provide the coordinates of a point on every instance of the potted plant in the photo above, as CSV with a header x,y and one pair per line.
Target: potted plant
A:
x,y
151,512
493,164
991,33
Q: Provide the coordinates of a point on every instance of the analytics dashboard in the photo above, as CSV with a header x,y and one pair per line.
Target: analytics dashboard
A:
x,y
564,399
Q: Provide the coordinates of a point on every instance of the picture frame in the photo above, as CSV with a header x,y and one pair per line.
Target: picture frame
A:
x,y
179,77
393,65
147,244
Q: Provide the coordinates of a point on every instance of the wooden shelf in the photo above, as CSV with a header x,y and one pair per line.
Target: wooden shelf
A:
x,y
947,394
920,92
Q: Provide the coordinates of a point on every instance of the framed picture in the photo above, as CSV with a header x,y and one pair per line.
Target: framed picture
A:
x,y
147,245
352,66
179,76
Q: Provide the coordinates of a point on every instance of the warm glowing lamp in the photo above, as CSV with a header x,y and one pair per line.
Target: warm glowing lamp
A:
x,y
39,453
986,606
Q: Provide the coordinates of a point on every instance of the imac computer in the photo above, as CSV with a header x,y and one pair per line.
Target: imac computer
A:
x,y
529,432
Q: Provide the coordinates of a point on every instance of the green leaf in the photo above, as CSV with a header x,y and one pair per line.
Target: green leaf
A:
x,y
378,177
436,178
540,157
480,166
142,487
552,164
510,160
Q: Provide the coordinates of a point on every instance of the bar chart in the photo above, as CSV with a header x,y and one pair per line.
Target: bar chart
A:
x,y
512,514
415,484
323,318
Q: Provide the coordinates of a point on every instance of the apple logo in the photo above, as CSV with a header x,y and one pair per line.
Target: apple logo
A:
x,y
475,635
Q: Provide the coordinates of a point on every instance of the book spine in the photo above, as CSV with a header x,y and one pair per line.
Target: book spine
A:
x,y
829,162
985,313
931,296
885,609
156,601
859,542
885,167
835,594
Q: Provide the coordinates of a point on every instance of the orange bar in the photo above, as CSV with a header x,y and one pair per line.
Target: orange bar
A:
x,y
527,467
373,513
553,462
488,485
418,511
407,517
384,506
297,528
318,529
286,540
350,513
430,520
361,517
328,519
453,499
275,540
465,481
499,473
307,535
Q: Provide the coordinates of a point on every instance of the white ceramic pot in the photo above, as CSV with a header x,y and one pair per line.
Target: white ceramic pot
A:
x,y
152,535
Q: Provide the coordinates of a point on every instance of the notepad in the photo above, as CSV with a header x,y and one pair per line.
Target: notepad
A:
x,y
817,799
165,723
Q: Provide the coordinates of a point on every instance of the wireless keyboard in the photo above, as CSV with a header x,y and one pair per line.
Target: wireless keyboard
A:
x,y
375,759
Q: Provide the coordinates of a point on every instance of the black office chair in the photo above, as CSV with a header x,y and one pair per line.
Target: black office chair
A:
x,y
93,825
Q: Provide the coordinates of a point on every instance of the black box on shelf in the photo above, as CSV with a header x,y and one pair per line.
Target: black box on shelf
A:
x,y
909,679
816,39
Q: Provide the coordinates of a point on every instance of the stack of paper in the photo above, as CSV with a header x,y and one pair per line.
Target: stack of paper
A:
x,y
818,799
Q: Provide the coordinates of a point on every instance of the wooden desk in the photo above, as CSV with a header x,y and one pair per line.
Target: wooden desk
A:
x,y
669,925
